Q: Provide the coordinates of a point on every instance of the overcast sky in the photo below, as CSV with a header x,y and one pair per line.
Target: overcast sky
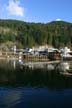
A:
x,y
36,10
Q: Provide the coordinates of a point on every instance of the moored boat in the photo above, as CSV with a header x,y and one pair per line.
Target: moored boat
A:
x,y
66,54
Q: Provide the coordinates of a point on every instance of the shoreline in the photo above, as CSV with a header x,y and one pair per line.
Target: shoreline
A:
x,y
41,61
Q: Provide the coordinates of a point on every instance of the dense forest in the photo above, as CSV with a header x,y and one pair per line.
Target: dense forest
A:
x,y
24,34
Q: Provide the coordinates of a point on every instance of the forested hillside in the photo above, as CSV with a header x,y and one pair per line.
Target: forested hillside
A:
x,y
56,33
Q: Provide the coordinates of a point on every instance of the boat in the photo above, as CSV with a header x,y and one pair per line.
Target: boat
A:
x,y
54,54
66,54
66,74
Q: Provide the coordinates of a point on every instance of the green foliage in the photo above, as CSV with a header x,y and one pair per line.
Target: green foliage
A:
x,y
56,33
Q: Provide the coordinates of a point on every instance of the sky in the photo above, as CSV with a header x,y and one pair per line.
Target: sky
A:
x,y
36,11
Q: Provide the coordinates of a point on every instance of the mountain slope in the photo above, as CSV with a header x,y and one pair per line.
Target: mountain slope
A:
x,y
56,33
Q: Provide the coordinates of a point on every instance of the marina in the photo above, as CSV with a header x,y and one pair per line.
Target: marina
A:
x,y
35,80
45,55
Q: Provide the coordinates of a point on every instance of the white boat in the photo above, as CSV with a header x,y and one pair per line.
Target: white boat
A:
x,y
66,53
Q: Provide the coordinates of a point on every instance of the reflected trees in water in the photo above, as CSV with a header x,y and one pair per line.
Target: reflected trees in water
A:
x,y
21,75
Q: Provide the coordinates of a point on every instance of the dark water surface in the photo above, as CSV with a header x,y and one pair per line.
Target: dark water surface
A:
x,y
31,85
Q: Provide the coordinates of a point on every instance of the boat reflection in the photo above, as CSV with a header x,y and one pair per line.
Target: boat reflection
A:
x,y
38,65
65,68
62,67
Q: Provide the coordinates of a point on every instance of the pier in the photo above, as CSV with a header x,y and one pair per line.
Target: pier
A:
x,y
25,57
30,57
35,58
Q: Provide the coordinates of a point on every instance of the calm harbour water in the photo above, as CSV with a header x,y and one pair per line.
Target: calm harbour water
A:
x,y
35,85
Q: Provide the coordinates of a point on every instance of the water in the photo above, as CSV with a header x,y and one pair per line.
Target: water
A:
x,y
31,85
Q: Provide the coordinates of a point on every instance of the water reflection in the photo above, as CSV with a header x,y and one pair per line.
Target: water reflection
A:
x,y
8,64
38,65
65,68
33,85
14,73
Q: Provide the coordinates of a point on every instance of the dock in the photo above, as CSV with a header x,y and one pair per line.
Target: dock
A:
x,y
30,57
